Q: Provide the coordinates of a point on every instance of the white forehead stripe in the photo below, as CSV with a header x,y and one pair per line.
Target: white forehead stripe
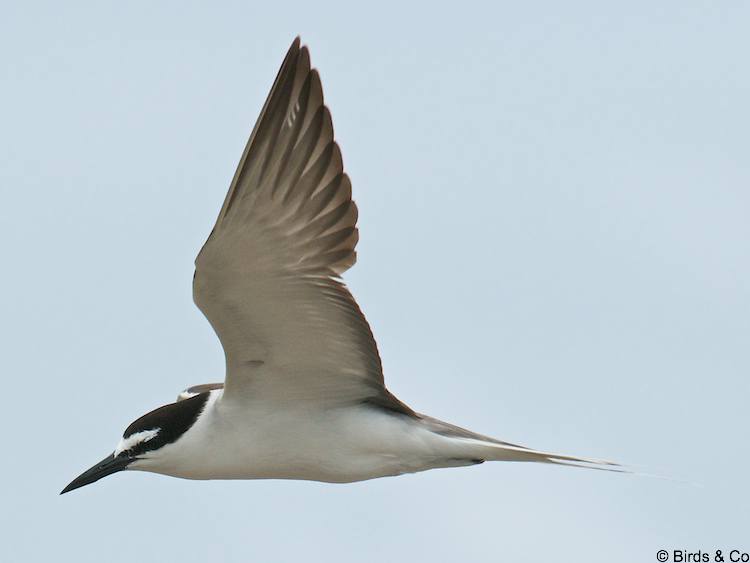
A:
x,y
186,394
134,439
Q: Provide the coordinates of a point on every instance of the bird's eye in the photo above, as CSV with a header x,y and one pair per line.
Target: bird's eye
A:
x,y
136,439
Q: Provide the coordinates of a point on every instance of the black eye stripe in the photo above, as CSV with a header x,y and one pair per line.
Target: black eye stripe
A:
x,y
150,435
172,420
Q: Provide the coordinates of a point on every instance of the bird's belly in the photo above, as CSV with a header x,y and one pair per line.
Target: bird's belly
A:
x,y
339,446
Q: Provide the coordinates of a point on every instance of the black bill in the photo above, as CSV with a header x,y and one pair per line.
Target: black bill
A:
x,y
107,466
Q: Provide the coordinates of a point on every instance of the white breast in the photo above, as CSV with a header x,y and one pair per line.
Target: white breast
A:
x,y
249,441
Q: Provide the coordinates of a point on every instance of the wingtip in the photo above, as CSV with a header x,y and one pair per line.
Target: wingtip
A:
x,y
293,50
297,51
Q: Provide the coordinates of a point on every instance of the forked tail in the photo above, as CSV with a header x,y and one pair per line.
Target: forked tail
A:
x,y
508,452
483,448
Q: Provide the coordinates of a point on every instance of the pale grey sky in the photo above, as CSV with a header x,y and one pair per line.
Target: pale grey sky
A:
x,y
554,250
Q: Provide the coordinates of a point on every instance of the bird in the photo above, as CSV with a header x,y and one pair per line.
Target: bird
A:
x,y
304,395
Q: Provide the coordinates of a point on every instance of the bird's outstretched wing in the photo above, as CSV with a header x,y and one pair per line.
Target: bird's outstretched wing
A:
x,y
267,278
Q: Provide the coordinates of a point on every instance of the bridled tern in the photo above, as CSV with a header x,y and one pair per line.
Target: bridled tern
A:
x,y
304,396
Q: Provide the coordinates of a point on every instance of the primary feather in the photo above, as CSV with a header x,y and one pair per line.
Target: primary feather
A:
x,y
267,279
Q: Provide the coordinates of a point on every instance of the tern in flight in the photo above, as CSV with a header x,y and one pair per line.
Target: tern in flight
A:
x,y
303,396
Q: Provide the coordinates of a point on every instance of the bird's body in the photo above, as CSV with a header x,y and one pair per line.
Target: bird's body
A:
x,y
338,445
304,395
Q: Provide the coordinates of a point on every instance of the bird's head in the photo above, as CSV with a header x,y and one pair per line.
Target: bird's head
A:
x,y
145,439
